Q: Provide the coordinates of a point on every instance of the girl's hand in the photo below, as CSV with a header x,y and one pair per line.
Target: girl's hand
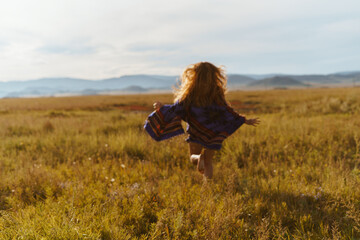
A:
x,y
252,121
157,105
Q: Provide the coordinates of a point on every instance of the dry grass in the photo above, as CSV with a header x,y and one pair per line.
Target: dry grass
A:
x,y
83,168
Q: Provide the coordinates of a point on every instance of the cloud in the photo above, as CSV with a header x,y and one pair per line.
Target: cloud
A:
x,y
67,49
152,47
3,44
98,39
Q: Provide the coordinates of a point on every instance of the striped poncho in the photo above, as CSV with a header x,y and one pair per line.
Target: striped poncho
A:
x,y
208,126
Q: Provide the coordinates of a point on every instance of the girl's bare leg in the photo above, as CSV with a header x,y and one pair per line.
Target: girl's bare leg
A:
x,y
208,168
206,158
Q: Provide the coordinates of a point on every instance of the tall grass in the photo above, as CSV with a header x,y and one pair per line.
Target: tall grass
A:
x,y
83,168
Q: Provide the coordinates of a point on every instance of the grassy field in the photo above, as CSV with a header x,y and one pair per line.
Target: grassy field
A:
x,y
83,168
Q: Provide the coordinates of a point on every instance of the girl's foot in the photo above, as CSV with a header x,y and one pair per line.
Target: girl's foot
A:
x,y
194,159
201,164
198,160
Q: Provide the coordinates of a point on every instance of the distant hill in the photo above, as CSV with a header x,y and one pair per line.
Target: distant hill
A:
x,y
316,78
263,76
144,83
135,88
55,86
347,76
349,73
336,78
278,81
67,84
238,80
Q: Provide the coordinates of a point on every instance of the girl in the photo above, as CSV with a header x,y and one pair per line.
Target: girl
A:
x,y
200,101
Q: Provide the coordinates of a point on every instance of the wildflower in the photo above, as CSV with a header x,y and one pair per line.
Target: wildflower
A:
x,y
89,158
37,165
106,145
112,180
122,165
317,196
319,191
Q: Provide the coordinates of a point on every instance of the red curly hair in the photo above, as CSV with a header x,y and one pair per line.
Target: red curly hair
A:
x,y
202,84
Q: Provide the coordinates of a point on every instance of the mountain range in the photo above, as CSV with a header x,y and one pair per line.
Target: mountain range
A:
x,y
278,81
153,83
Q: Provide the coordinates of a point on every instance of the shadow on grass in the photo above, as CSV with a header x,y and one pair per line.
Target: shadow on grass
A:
x,y
303,213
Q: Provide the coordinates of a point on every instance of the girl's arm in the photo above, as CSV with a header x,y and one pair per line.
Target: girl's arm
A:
x,y
157,105
252,121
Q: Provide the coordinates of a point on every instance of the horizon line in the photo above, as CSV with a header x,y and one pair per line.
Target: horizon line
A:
x,y
164,75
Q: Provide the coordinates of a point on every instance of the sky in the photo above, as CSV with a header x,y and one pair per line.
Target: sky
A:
x,y
97,39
